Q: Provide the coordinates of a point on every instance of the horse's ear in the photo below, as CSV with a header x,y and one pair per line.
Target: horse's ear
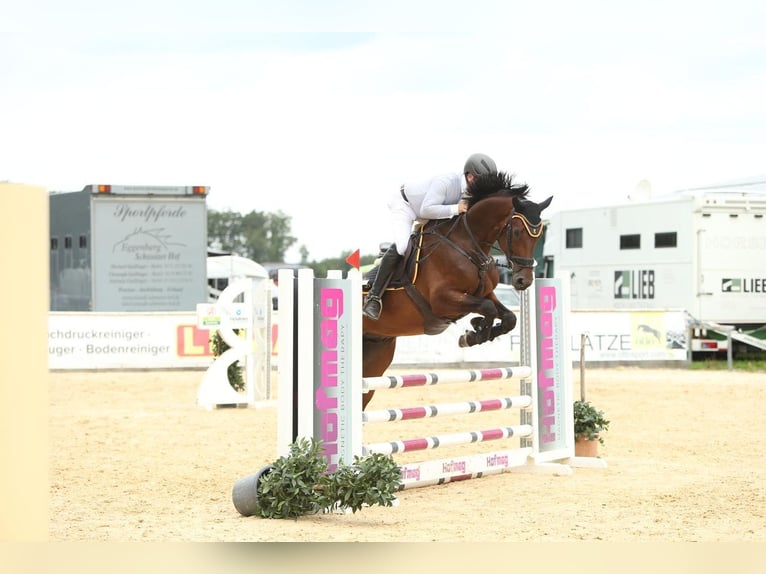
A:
x,y
545,203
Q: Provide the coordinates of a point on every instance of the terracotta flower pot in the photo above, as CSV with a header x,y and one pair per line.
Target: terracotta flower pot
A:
x,y
585,447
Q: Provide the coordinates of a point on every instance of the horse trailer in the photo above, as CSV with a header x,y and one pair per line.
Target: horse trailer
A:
x,y
699,250
128,248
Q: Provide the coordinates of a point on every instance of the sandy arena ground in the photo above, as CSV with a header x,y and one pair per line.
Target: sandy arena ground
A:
x,y
134,459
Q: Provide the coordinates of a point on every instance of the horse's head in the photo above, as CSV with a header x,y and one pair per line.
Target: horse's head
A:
x,y
518,242
511,219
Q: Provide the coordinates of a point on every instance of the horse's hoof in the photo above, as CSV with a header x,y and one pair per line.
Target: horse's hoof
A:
x,y
464,340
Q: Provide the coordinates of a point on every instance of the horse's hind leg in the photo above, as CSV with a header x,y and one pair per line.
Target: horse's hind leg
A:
x,y
377,354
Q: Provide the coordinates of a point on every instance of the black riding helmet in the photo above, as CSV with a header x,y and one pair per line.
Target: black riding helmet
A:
x,y
480,164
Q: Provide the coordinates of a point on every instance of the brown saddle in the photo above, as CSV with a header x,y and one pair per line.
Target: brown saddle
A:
x,y
406,271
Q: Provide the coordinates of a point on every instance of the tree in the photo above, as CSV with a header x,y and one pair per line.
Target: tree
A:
x,y
304,251
224,230
255,235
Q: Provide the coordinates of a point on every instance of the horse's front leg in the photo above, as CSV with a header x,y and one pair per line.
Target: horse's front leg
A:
x,y
506,324
483,326
377,354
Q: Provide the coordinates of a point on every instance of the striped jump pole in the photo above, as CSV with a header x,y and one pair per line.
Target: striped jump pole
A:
x,y
446,440
425,379
428,411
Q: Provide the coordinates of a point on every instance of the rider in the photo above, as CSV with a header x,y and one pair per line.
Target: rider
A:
x,y
438,198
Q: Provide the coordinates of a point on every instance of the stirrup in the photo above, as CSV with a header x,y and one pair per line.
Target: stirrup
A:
x,y
372,307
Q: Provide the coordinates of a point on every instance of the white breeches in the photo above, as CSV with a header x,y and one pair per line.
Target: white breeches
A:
x,y
402,218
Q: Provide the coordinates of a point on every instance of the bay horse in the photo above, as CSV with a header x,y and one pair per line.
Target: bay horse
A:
x,y
450,272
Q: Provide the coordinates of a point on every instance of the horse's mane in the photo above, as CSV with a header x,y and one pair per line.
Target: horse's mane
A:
x,y
490,184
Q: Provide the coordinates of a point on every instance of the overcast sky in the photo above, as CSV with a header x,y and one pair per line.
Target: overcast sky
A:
x,y
321,109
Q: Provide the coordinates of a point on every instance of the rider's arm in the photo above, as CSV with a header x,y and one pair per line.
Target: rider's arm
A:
x,y
435,204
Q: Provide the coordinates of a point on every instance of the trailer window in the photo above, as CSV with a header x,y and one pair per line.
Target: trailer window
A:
x,y
667,239
67,242
574,237
548,266
630,241
83,241
54,243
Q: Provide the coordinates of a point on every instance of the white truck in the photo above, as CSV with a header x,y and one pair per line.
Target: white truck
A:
x,y
700,250
117,248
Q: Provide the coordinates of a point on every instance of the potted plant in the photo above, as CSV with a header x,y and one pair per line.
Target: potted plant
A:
x,y
218,346
299,484
589,423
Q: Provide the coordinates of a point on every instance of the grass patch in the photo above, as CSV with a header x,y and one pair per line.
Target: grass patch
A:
x,y
752,365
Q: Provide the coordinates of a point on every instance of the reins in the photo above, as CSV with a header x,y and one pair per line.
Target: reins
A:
x,y
481,260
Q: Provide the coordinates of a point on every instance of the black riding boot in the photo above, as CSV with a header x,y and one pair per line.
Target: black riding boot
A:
x,y
372,304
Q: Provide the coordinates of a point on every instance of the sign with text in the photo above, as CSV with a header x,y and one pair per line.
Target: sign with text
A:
x,y
151,254
126,341
552,369
620,336
213,315
333,353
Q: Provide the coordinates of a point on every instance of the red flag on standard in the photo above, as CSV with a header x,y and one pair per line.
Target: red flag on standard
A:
x,y
353,259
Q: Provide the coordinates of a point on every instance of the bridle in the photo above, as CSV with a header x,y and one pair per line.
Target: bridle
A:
x,y
534,231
